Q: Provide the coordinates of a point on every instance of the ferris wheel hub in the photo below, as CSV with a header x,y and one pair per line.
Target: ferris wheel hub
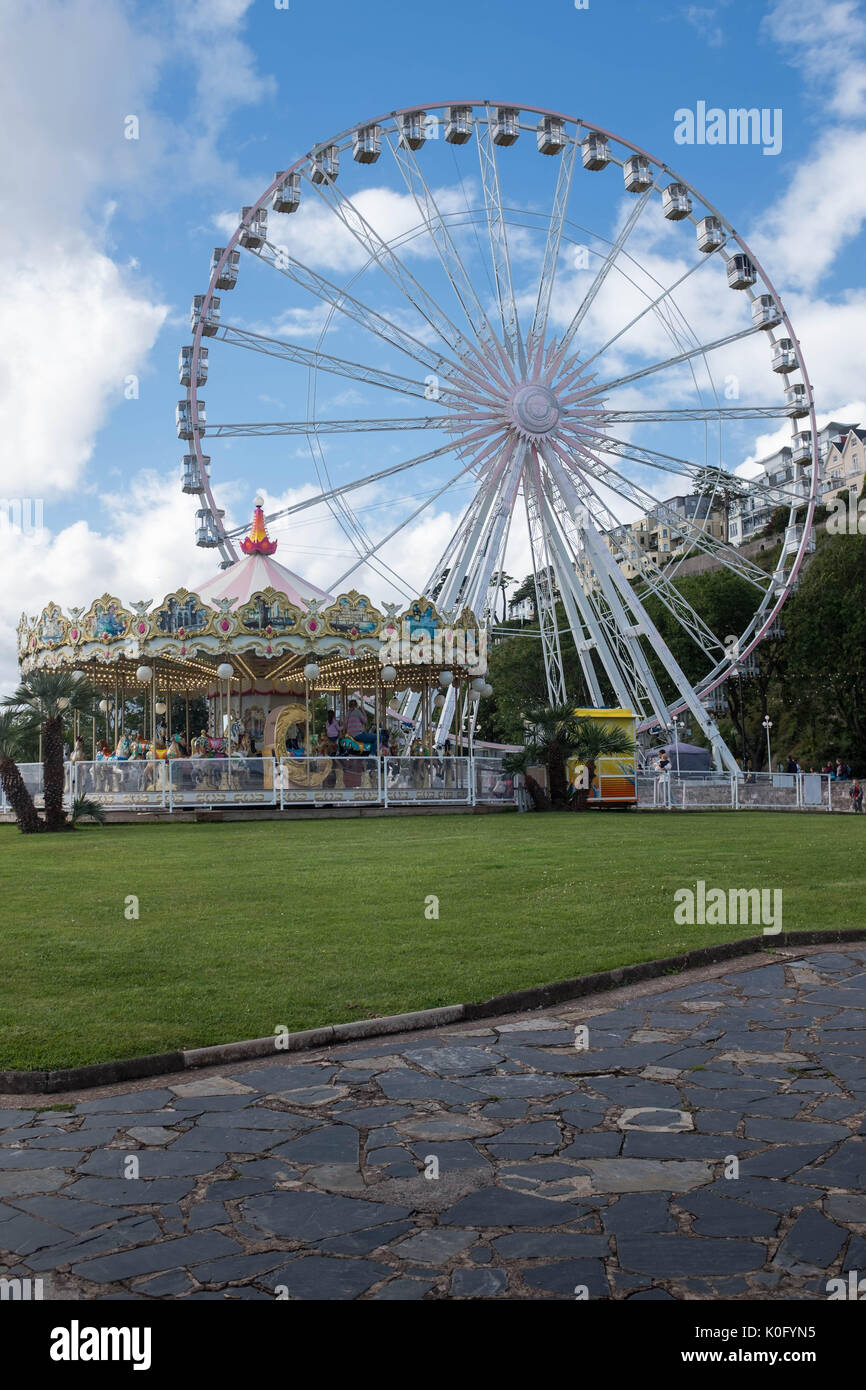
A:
x,y
534,410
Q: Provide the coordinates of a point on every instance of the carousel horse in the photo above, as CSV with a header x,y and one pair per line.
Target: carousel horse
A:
x,y
123,752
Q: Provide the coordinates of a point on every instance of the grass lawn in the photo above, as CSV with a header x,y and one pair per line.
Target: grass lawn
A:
x,y
245,926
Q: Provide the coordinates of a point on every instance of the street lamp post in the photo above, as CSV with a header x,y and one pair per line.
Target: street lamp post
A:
x,y
766,725
738,672
675,725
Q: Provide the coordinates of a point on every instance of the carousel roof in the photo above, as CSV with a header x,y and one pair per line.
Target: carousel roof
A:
x,y
258,570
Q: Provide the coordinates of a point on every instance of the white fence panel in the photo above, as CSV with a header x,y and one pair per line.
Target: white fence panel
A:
x,y
136,784
328,781
208,782
422,781
491,783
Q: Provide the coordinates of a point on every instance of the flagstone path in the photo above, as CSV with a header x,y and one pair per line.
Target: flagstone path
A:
x,y
705,1138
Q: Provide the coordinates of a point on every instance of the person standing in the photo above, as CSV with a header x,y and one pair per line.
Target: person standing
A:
x,y
856,795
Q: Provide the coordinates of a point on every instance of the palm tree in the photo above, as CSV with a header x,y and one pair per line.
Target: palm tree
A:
x,y
713,479
12,737
521,762
499,581
44,698
592,739
552,743
559,735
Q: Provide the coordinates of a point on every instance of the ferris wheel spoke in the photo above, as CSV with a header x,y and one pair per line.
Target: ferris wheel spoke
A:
x,y
538,329
604,387
498,236
352,486
655,580
636,626
450,258
693,472
621,631
648,308
715,412
338,366
474,557
632,492
601,275
421,422
379,250
353,308
401,525
650,458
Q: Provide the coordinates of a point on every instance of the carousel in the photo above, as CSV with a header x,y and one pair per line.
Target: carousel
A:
x,y
264,649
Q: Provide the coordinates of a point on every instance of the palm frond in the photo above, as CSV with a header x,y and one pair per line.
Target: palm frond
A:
x,y
85,808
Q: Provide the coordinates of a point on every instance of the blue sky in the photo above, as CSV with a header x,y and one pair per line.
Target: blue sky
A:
x,y
107,239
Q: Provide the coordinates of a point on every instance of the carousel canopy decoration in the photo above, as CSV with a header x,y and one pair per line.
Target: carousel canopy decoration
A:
x,y
270,628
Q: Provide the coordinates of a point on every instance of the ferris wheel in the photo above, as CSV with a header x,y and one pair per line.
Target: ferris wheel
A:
x,y
578,338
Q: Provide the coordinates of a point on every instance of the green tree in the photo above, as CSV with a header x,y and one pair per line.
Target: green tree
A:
x,y
12,739
44,699
556,736
825,625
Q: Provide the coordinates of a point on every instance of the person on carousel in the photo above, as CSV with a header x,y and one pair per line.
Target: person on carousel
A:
x,y
356,727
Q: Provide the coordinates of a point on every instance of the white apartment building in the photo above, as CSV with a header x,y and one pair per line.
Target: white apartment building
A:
x,y
787,472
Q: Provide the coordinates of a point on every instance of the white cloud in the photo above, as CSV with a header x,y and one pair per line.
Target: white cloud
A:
x,y
822,210
827,42
849,413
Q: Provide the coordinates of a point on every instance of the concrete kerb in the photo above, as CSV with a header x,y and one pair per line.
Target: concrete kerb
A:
x,y
537,997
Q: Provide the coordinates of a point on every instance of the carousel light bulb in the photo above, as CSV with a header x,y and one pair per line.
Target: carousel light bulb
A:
x,y
144,674
225,671
104,706
160,707
389,674
438,701
311,671
445,678
478,683
62,702
487,690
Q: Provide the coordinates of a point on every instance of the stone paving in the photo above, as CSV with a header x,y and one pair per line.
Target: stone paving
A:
x,y
709,1142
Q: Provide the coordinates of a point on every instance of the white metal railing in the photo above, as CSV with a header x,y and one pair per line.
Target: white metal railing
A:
x,y
158,784
491,784
32,777
756,791
329,781
208,782
137,783
425,780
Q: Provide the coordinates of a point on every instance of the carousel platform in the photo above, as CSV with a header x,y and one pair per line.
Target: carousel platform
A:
x,y
258,813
